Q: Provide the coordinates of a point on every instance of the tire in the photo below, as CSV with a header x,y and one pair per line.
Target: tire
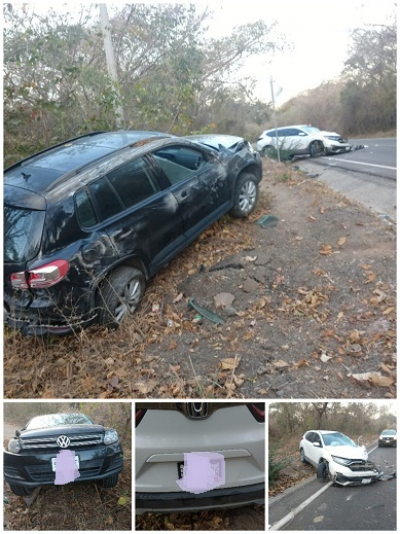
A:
x,y
245,196
302,457
322,472
269,152
315,149
110,481
120,295
21,491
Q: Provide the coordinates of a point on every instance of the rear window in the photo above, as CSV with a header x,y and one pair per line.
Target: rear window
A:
x,y
22,233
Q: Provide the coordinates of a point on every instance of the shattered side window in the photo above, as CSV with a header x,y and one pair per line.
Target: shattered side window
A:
x,y
179,163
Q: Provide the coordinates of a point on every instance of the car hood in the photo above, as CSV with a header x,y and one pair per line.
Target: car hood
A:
x,y
352,453
325,133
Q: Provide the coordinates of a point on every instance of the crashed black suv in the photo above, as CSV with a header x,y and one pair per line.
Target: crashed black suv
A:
x,y
33,455
89,221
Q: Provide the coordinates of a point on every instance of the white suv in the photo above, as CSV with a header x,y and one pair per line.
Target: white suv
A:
x,y
337,458
300,140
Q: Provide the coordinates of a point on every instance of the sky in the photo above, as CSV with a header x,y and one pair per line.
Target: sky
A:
x,y
318,30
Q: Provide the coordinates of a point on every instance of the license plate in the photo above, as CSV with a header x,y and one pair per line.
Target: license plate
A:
x,y
215,466
366,481
53,463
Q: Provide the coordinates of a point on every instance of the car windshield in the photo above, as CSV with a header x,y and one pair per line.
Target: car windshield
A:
x,y
388,432
58,419
22,233
336,439
310,129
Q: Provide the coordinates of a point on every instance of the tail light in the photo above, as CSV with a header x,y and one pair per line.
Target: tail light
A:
x,y
45,276
139,416
258,411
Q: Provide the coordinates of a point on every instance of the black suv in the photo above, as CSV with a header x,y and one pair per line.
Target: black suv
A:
x,y
89,221
30,458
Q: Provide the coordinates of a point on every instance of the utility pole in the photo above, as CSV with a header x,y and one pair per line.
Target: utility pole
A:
x,y
274,114
112,70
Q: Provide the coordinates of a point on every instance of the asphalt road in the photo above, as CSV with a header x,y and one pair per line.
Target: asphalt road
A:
x,y
377,159
371,507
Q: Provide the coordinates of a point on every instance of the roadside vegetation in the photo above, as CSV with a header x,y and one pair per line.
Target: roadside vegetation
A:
x,y
172,77
289,421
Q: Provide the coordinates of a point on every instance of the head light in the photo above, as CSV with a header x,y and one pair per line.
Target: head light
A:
x,y
14,446
341,461
111,436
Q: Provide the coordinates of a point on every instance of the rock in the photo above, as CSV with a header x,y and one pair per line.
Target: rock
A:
x,y
263,259
230,311
250,285
222,300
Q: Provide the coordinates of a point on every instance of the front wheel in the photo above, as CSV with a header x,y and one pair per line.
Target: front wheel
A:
x,y
119,295
245,196
322,472
21,491
110,481
316,149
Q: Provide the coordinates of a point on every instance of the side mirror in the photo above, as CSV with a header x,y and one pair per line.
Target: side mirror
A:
x,y
317,444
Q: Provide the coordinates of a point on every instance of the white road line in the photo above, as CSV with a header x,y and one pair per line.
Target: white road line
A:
x,y
361,163
299,508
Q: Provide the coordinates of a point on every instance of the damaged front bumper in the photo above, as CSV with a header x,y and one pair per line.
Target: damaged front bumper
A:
x,y
359,475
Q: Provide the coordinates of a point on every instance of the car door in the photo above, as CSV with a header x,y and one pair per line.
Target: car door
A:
x,y
311,452
315,451
140,218
198,181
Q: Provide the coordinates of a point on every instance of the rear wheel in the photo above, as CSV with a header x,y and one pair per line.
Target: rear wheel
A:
x,y
245,196
110,481
21,491
302,457
119,295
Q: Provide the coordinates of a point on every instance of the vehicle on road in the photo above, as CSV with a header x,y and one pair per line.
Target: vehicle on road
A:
x,y
387,438
337,458
227,438
30,459
89,221
301,140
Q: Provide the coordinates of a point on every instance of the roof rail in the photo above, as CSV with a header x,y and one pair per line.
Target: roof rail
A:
x,y
50,148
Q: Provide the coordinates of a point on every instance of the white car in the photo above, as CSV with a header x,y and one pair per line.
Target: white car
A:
x,y
199,455
301,140
337,458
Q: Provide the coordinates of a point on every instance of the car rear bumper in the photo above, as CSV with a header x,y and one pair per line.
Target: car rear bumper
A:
x,y
185,501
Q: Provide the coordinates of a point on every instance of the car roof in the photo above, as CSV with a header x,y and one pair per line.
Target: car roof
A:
x,y
326,431
40,170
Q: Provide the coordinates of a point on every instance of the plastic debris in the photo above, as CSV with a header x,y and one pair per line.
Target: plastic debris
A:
x,y
211,316
267,221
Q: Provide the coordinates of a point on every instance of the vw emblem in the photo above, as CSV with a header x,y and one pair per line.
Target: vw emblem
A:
x,y
63,442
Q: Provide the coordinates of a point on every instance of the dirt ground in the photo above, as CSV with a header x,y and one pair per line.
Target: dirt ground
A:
x,y
312,315
83,506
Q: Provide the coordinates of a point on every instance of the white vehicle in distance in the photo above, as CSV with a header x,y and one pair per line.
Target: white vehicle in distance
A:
x,y
337,458
227,441
301,140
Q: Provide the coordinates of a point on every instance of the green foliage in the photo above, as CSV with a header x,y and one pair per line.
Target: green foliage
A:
x,y
56,84
275,466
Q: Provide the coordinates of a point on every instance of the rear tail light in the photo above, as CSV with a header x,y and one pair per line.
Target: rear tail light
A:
x,y
139,416
45,276
258,411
